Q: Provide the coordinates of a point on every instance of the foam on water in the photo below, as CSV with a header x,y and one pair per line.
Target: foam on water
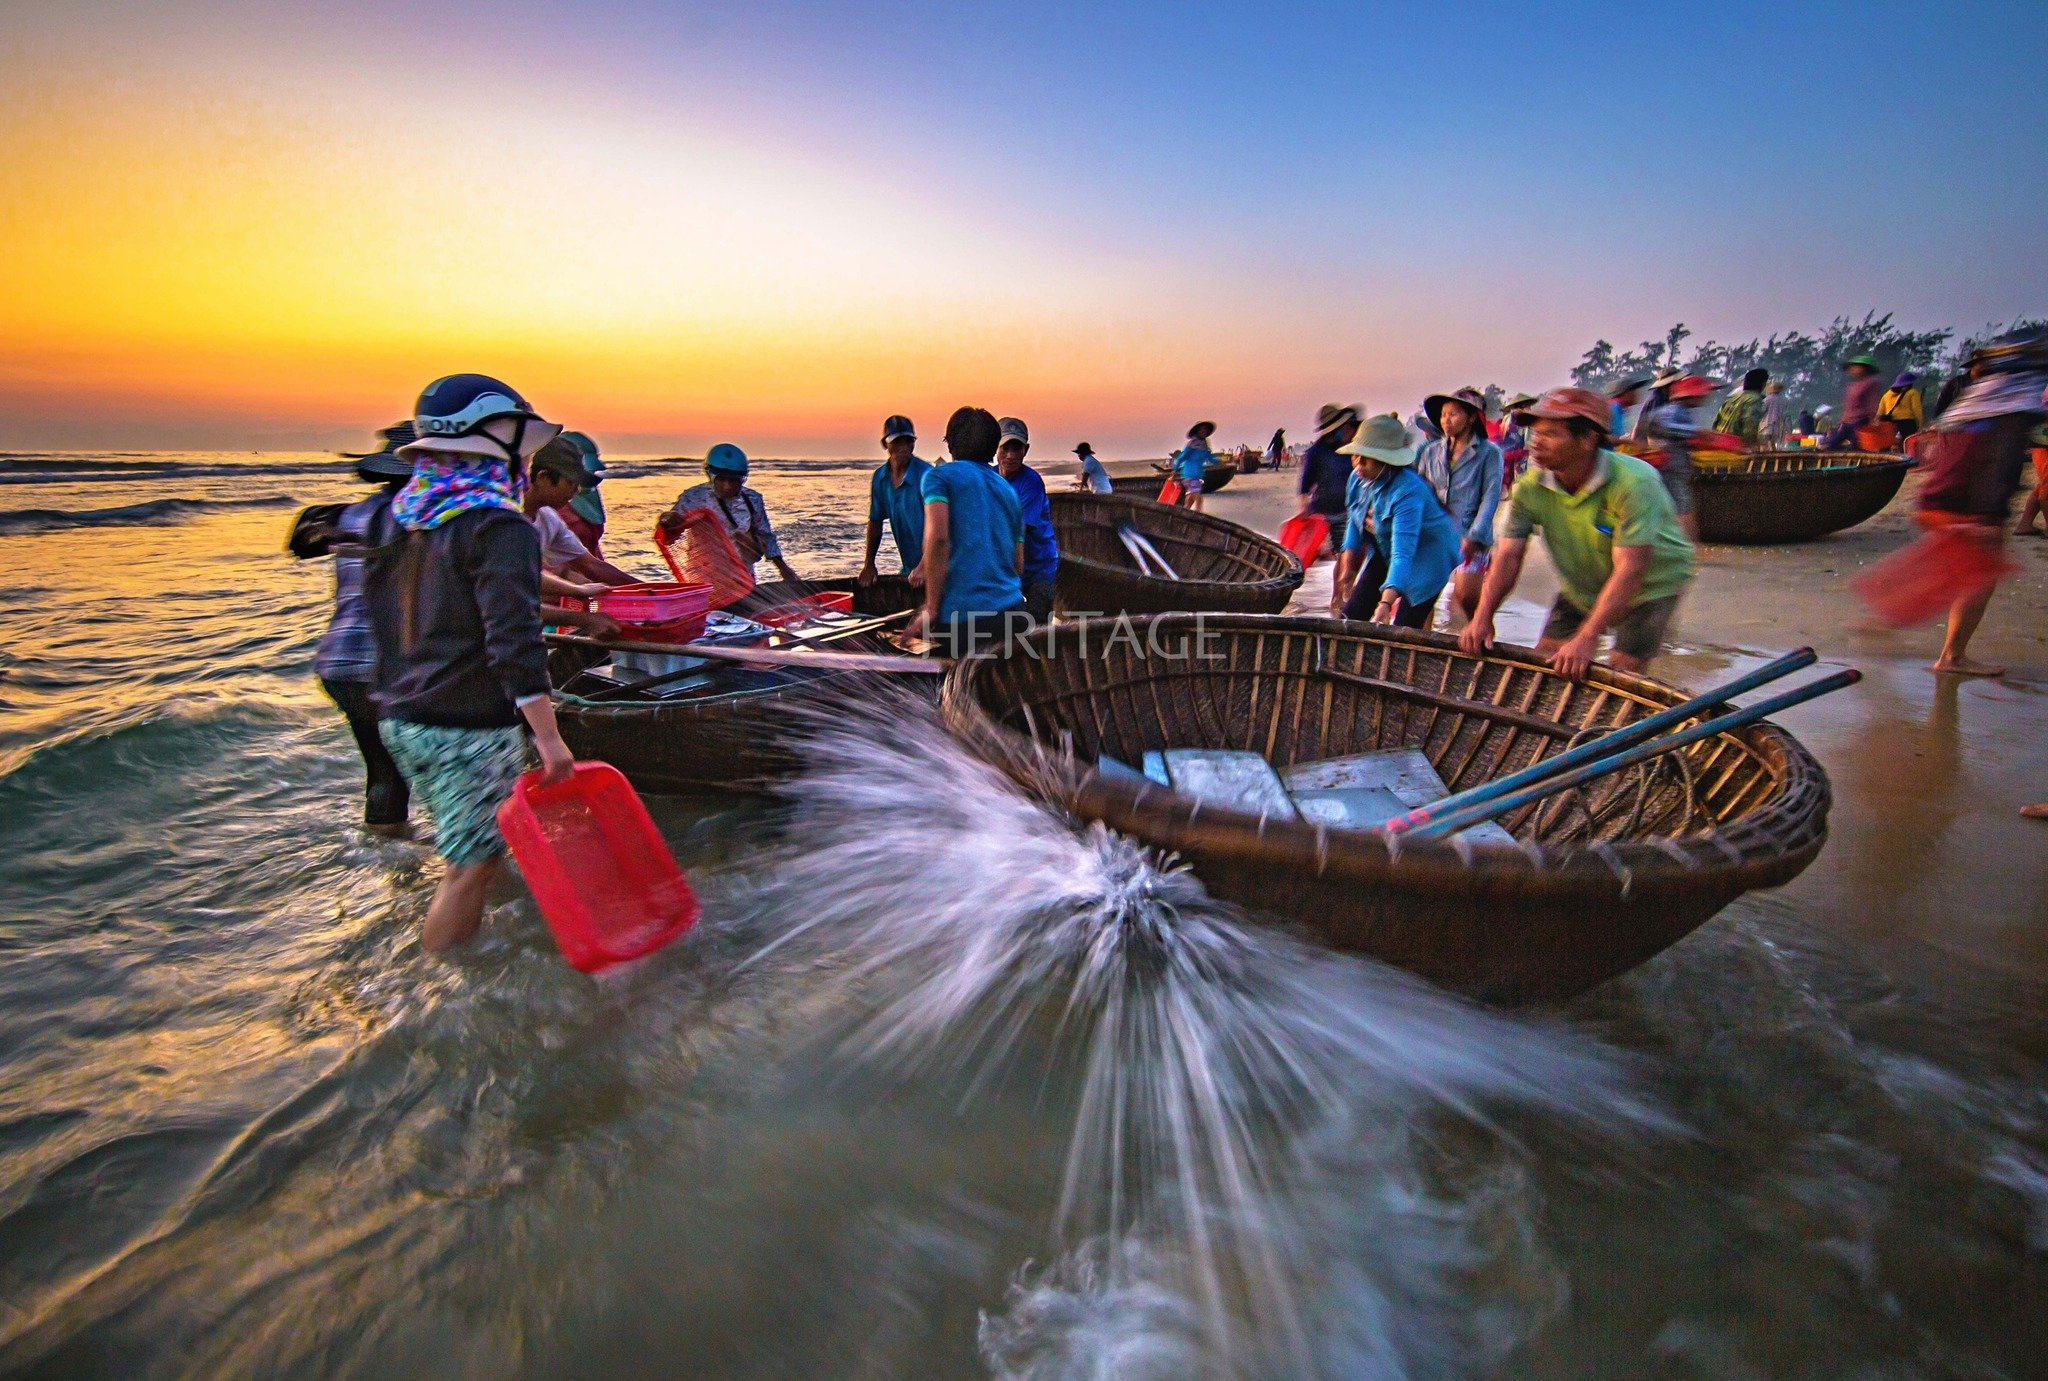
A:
x,y
1224,1087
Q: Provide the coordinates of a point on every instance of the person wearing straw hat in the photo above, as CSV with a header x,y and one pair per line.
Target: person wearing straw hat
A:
x,y
1415,546
345,661
1622,559
1093,479
1463,469
1191,464
1620,398
896,496
1325,473
453,593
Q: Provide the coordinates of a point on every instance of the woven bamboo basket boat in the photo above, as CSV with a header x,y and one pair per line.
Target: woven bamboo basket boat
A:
x,y
1794,496
733,736
1147,486
1591,886
1221,565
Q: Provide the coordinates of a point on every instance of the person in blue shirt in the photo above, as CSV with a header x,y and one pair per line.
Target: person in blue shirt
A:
x,y
896,495
1041,545
973,542
1464,469
1192,461
1417,546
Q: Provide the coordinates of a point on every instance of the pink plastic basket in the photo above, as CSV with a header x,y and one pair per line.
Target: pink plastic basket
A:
x,y
655,602
605,881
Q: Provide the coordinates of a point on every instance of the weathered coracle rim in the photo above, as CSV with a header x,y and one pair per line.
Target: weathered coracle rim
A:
x,y
1794,496
1503,923
1147,486
734,741
1226,567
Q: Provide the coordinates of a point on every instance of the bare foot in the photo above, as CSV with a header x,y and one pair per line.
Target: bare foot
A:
x,y
1963,666
2039,812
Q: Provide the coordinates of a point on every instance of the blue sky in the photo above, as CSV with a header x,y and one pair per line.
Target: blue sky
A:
x,y
1299,201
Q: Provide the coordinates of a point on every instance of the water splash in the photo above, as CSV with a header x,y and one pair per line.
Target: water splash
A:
x,y
1222,1083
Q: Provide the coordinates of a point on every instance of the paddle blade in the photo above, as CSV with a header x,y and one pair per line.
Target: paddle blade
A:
x,y
1920,582
605,881
1305,535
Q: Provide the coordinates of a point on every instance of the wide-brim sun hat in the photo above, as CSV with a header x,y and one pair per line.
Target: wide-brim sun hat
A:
x,y
1199,429
1625,386
1331,416
1869,362
1520,400
726,459
1383,439
387,464
1564,404
477,415
1084,449
1433,406
1692,386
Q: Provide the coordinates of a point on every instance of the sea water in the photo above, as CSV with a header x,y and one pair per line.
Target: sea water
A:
x,y
942,1085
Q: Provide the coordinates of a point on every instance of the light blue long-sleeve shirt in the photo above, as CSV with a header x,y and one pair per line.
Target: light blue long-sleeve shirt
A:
x,y
1413,532
1470,490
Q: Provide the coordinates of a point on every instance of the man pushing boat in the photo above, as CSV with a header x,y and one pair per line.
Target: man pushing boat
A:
x,y
1622,559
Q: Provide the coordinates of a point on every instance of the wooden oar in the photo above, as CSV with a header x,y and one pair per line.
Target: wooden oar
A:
x,y
806,658
1454,821
1614,741
1142,551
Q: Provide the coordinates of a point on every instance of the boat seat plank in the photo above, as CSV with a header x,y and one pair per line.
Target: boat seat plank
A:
x,y
1231,779
1364,791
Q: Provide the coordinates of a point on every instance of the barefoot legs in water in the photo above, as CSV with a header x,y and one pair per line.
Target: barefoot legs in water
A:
x,y
1963,618
458,905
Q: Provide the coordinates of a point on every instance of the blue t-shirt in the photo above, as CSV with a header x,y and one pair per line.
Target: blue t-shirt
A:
x,y
1041,546
985,524
1193,461
902,507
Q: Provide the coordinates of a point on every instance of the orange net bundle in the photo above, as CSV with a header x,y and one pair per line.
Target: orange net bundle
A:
x,y
702,553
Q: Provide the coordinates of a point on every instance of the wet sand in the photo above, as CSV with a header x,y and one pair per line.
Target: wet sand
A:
x,y
1930,875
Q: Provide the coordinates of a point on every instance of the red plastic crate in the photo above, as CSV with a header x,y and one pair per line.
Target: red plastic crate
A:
x,y
805,609
605,881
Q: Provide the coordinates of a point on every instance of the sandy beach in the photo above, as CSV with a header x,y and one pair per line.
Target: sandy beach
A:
x,y
1929,865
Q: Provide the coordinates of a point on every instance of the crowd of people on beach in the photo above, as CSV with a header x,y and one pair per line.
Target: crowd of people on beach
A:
x,y
487,523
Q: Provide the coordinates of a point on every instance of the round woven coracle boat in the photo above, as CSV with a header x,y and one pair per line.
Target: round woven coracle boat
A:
x,y
1794,496
1577,889
730,733
1218,564
1147,486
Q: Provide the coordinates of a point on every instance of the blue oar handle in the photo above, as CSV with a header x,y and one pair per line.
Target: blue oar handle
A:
x,y
1607,744
1455,821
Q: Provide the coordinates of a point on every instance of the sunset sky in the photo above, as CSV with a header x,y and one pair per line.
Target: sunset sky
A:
x,y
251,226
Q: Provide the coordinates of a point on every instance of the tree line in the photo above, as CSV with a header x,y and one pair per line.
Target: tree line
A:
x,y
1809,366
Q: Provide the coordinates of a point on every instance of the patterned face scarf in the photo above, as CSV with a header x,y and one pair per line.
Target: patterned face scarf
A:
x,y
446,483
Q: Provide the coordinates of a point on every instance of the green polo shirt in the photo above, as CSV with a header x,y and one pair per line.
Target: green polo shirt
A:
x,y
1624,501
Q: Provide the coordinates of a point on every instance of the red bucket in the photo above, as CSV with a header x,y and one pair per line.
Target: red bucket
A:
x,y
605,881
1305,534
